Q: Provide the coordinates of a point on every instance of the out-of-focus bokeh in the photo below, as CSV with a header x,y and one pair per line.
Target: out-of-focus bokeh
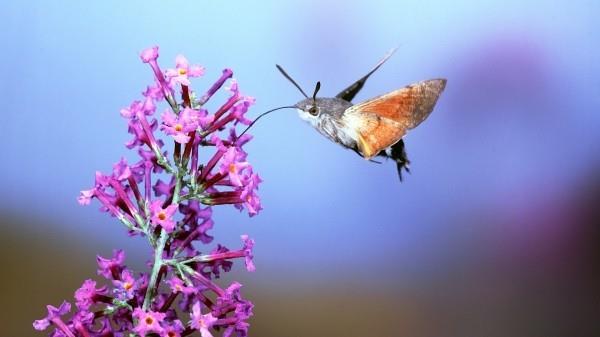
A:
x,y
495,232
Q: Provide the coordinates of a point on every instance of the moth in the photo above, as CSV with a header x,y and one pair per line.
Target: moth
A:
x,y
375,127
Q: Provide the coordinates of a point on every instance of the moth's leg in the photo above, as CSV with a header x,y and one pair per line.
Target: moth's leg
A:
x,y
360,155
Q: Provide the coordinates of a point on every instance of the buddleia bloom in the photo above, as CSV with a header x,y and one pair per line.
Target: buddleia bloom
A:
x,y
166,196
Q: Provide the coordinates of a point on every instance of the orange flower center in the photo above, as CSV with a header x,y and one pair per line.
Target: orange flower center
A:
x,y
178,127
149,320
232,168
128,285
182,71
162,216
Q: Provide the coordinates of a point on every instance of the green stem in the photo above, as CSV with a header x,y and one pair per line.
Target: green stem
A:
x,y
162,161
160,247
155,269
172,104
177,189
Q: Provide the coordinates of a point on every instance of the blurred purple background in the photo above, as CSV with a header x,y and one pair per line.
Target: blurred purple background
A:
x,y
495,232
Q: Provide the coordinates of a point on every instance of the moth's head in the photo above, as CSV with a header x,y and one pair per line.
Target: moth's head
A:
x,y
309,108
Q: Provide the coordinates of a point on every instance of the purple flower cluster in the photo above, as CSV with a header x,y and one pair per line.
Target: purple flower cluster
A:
x,y
167,199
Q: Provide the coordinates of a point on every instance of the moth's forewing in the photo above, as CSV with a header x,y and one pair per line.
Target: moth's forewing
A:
x,y
382,121
351,91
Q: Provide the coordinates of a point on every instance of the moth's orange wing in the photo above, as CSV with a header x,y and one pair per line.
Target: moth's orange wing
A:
x,y
375,133
382,121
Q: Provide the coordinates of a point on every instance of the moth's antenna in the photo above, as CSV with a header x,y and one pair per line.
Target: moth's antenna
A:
x,y
313,110
317,88
259,116
291,80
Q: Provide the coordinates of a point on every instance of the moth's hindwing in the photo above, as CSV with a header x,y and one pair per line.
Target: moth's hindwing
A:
x,y
382,121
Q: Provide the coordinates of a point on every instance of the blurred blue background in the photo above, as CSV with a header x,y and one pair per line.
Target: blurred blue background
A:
x,y
493,218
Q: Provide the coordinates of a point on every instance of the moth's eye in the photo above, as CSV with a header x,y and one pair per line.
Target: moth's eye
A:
x,y
313,110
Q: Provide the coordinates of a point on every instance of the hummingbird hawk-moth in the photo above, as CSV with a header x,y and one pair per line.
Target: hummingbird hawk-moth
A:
x,y
376,126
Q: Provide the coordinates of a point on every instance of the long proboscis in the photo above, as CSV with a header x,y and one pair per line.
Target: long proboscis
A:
x,y
260,116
